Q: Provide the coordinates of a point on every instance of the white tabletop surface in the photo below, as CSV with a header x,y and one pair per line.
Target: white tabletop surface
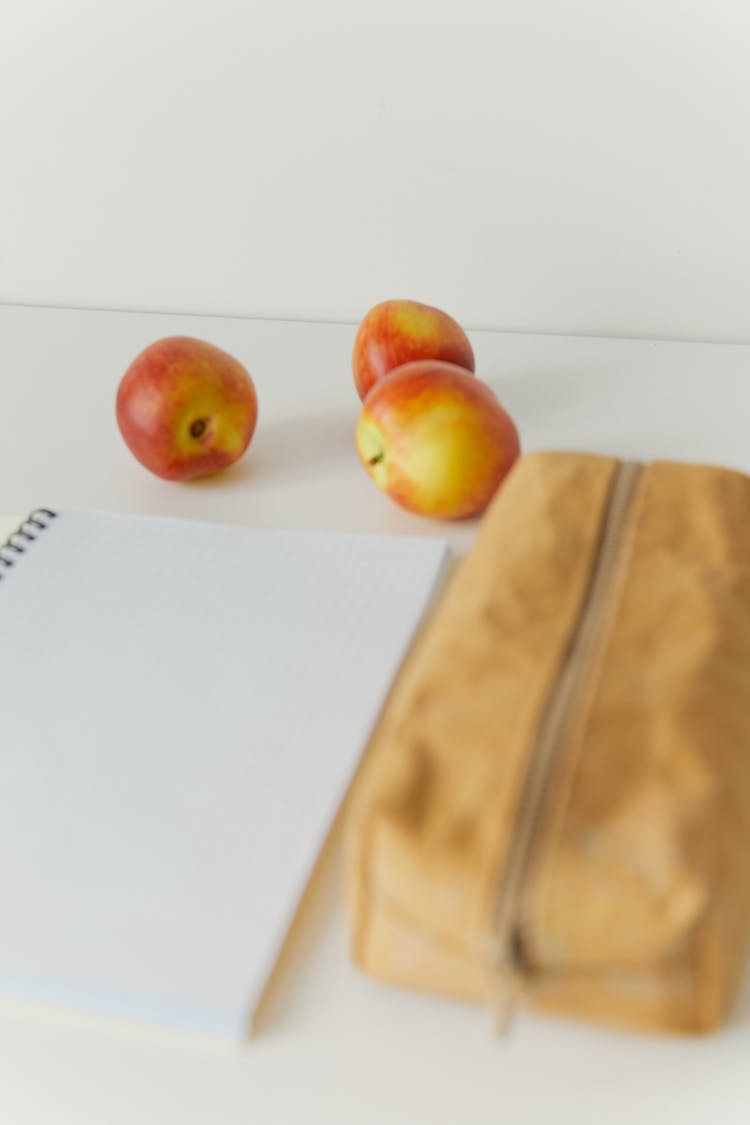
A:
x,y
336,1047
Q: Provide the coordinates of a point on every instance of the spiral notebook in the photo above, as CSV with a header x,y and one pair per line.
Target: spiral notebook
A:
x,y
183,709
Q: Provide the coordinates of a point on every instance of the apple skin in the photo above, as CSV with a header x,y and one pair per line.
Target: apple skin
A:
x,y
397,332
436,439
186,408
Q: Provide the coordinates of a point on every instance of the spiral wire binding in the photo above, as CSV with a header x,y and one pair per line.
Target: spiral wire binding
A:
x,y
18,541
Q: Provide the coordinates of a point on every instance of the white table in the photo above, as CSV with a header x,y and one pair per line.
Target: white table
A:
x,y
336,1047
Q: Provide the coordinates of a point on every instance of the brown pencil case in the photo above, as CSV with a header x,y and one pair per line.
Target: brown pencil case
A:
x,y
555,806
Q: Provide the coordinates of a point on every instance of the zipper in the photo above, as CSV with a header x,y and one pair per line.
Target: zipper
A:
x,y
560,709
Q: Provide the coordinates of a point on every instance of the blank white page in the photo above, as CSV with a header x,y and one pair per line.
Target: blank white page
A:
x,y
183,708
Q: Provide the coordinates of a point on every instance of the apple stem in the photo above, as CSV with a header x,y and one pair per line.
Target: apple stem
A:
x,y
378,457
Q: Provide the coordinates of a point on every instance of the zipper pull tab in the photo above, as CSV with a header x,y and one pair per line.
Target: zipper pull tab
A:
x,y
506,987
505,997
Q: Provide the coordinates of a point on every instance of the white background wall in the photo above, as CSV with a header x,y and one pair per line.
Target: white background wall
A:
x,y
555,165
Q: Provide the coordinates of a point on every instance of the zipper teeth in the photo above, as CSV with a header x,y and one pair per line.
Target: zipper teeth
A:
x,y
559,708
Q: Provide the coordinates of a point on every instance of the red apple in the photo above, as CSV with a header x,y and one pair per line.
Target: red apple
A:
x,y
436,439
186,408
397,332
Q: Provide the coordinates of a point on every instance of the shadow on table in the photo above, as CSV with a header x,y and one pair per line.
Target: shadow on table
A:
x,y
311,918
295,447
528,394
